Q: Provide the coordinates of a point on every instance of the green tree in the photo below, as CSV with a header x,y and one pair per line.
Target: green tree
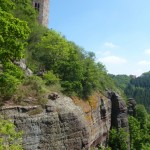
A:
x,y
145,147
118,139
141,115
51,50
24,10
121,81
13,33
135,134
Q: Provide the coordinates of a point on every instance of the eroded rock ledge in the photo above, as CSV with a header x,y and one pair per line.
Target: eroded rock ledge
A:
x,y
64,123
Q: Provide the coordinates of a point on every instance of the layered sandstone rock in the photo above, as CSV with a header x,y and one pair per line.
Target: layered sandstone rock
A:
x,y
68,124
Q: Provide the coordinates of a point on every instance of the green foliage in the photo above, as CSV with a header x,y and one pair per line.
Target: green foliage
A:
x,y
145,146
50,78
118,139
9,138
77,70
51,50
121,81
33,90
35,82
13,33
13,36
13,70
8,85
140,129
24,11
141,115
135,134
10,78
6,5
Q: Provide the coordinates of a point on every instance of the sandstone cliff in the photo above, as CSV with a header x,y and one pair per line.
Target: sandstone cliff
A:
x,y
68,124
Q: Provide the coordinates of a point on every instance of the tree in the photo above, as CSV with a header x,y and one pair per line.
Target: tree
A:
x,y
118,139
135,134
13,33
141,115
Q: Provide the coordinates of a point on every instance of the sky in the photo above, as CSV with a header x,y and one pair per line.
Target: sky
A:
x,y
117,31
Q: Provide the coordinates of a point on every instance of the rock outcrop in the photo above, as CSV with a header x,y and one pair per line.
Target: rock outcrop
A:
x,y
68,124
119,113
131,107
119,116
22,64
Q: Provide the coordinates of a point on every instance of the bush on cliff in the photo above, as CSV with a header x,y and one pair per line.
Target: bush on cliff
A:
x,y
9,138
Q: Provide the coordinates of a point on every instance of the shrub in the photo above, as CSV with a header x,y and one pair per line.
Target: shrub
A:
x,y
8,85
10,77
9,138
50,78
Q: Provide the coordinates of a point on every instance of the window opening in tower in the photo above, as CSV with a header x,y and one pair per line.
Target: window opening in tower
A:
x,y
37,6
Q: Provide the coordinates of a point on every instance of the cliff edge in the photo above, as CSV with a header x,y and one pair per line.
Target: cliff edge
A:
x,y
65,123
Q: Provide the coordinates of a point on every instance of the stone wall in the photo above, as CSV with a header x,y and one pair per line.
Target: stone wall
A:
x,y
43,9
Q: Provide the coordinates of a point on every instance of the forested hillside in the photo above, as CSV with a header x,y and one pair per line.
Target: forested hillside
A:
x,y
121,81
139,88
135,87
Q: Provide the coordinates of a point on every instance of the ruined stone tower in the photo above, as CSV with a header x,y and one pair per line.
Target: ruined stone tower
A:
x,y
42,7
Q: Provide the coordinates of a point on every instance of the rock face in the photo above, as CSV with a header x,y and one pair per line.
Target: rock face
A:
x,y
119,113
131,107
23,66
60,126
69,124
119,117
98,123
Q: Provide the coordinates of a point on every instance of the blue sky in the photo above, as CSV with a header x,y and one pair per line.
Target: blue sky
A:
x,y
117,31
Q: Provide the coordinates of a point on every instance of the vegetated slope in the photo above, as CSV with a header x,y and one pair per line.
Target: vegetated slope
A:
x,y
58,59
47,53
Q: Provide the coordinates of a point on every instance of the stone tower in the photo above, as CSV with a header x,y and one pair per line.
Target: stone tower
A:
x,y
42,6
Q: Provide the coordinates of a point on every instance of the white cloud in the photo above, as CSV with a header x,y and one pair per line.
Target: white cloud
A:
x,y
103,53
147,51
106,53
110,45
113,60
144,62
